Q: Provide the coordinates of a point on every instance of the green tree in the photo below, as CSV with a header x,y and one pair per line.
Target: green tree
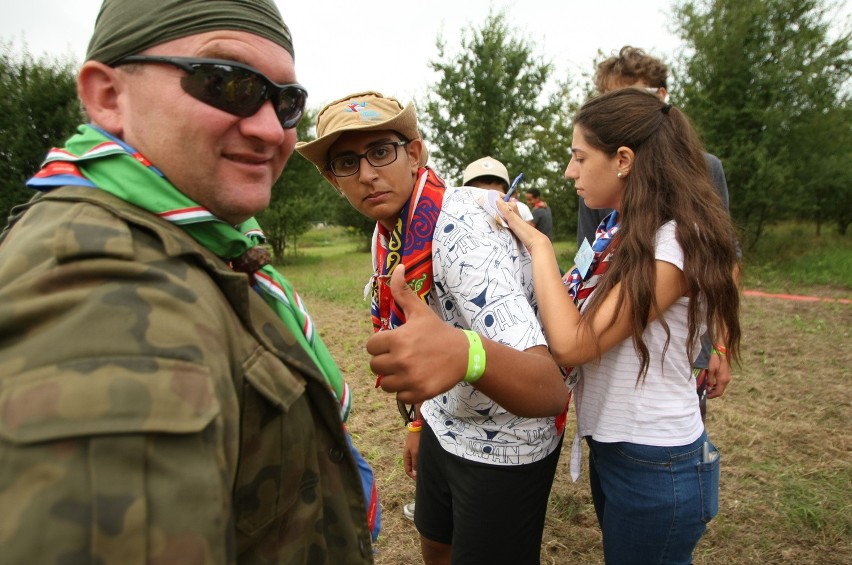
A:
x,y
764,83
322,201
300,198
343,214
39,109
492,99
823,157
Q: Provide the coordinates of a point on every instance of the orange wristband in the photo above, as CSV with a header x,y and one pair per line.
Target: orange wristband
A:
x,y
415,426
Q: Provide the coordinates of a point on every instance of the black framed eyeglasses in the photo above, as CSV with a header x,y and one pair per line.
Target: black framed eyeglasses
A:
x,y
381,155
233,87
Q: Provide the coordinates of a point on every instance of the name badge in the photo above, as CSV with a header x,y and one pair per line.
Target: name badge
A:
x,y
583,258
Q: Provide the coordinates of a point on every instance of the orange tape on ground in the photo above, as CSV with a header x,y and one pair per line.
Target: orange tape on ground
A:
x,y
795,297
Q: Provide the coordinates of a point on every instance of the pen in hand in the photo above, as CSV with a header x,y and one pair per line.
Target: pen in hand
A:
x,y
512,188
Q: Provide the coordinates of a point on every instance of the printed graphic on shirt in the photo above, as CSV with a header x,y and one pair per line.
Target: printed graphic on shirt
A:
x,y
483,281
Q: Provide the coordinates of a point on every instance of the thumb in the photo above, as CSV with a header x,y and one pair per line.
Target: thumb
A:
x,y
405,298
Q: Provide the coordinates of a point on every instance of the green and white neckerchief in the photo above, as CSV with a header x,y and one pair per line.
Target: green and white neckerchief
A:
x,y
95,159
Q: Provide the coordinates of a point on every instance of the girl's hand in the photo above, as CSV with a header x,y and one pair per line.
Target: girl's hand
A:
x,y
529,235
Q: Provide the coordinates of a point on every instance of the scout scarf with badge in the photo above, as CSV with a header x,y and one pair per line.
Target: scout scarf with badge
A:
x,y
580,286
410,243
95,159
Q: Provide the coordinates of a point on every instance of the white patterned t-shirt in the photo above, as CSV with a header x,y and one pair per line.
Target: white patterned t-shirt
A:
x,y
483,281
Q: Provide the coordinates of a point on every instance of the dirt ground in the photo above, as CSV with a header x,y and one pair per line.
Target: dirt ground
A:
x,y
782,428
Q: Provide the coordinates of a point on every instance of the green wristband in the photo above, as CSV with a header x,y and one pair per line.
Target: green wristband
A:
x,y
475,357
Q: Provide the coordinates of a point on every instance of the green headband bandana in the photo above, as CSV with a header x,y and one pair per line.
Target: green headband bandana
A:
x,y
128,27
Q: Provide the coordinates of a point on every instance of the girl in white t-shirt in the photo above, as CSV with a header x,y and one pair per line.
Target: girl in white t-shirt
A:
x,y
661,271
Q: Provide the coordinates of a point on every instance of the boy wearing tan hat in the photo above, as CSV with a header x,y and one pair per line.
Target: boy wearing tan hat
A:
x,y
490,174
485,440
164,396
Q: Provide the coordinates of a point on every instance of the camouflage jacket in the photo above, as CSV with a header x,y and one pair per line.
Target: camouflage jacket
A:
x,y
153,409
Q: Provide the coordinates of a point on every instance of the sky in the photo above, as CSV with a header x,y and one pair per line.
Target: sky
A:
x,y
343,47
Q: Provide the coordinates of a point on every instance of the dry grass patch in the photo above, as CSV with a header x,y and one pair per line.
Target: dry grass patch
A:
x,y
783,430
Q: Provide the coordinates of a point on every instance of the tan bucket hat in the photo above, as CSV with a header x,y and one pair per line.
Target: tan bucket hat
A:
x,y
362,111
487,166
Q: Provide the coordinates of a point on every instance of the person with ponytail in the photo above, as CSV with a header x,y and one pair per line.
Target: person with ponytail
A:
x,y
634,68
627,320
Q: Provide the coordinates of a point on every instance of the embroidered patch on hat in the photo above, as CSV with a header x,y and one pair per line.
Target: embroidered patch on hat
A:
x,y
366,115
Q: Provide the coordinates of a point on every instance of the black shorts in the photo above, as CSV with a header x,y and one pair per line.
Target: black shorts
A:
x,y
488,513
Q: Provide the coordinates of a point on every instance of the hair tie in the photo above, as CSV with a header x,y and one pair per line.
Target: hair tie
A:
x,y
666,108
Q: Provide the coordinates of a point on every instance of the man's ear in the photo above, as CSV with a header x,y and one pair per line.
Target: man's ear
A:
x,y
99,88
415,151
624,157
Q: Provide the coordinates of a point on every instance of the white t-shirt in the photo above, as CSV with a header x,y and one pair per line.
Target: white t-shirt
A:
x,y
483,282
662,410
524,211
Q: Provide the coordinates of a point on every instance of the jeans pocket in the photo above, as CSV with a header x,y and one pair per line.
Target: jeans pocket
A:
x,y
708,479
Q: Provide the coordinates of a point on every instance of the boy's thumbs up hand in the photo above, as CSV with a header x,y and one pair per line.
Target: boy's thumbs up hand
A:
x,y
424,357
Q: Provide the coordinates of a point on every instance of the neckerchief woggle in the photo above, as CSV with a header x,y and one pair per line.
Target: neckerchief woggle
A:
x,y
95,159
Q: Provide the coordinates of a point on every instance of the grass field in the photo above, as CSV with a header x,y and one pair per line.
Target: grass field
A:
x,y
783,427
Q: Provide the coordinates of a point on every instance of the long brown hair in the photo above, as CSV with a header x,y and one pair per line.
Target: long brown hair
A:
x,y
669,180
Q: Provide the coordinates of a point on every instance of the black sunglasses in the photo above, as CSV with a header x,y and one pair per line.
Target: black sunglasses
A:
x,y
233,87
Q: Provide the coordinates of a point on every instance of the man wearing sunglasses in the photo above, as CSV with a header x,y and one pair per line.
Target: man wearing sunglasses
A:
x,y
484,441
164,396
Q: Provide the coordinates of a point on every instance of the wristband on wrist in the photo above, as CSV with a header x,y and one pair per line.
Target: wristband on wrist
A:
x,y
475,357
415,426
720,350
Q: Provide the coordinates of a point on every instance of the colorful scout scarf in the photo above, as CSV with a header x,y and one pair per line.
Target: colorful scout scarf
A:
x,y
580,286
410,243
95,159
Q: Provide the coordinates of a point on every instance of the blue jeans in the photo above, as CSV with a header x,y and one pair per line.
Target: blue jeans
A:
x,y
653,503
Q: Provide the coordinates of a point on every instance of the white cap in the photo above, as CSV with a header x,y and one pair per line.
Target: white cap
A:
x,y
487,166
